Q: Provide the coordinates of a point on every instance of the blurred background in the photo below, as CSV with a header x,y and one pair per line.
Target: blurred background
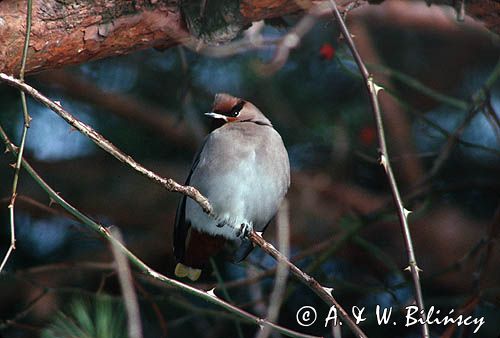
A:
x,y
443,134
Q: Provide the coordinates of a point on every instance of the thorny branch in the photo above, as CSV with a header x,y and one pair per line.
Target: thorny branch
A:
x,y
106,145
209,296
27,118
385,162
170,185
134,323
323,292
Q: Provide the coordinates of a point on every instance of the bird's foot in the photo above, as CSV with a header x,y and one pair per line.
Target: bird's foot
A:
x,y
243,230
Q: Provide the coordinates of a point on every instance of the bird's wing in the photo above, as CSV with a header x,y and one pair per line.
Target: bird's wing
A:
x,y
181,227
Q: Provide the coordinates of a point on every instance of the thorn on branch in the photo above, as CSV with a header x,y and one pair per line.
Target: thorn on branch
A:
x,y
52,201
417,269
328,290
211,293
377,88
383,161
406,212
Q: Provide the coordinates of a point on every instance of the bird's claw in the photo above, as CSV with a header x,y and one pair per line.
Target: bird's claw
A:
x,y
243,230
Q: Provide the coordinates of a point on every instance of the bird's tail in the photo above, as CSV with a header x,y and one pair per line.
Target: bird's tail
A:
x,y
182,270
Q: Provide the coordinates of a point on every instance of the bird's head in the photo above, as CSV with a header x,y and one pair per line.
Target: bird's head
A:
x,y
230,109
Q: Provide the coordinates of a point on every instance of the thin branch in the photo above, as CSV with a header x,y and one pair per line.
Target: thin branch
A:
x,y
415,84
278,293
208,296
107,146
27,119
65,266
292,39
170,185
384,160
156,309
127,286
26,311
446,149
480,103
324,293
419,86
154,118
222,286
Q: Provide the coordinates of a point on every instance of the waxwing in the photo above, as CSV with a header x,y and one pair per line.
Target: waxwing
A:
x,y
244,171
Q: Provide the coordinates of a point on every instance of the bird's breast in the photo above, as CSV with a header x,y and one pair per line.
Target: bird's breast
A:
x,y
244,178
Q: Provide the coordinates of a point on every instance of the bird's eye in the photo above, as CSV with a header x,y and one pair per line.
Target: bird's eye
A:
x,y
235,111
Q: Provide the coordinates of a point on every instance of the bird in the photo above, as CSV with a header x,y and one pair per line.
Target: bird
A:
x,y
243,169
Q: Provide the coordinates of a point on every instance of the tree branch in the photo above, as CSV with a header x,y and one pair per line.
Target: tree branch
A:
x,y
27,118
385,162
107,146
136,261
324,293
67,33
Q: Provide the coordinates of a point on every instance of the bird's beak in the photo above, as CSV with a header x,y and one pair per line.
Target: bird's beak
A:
x,y
216,116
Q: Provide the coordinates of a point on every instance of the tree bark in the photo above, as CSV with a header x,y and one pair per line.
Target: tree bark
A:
x,y
72,32
68,32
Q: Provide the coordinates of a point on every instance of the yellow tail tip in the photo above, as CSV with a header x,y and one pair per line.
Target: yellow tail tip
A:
x,y
182,270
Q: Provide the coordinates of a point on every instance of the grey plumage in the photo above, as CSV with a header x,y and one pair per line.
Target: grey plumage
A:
x,y
243,170
244,181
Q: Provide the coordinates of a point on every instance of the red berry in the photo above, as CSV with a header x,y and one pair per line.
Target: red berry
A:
x,y
327,51
367,135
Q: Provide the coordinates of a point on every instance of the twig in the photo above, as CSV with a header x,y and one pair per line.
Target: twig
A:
x,y
269,272
107,146
419,86
156,309
27,119
65,266
447,134
292,39
154,118
324,293
169,184
479,103
127,286
276,299
384,161
20,315
221,284
208,296
446,149
415,84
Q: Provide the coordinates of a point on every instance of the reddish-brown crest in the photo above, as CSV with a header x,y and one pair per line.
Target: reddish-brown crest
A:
x,y
223,103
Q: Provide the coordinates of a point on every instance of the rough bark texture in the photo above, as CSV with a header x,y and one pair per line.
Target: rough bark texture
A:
x,y
70,32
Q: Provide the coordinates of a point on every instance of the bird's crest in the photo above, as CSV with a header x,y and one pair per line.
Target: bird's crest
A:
x,y
224,103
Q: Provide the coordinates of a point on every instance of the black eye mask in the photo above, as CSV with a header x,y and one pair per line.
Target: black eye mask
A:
x,y
236,109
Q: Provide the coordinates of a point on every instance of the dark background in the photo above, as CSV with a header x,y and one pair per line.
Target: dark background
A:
x,y
340,201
